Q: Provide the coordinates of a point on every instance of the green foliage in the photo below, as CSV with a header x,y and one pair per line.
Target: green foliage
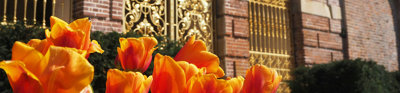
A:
x,y
101,62
10,34
109,42
347,76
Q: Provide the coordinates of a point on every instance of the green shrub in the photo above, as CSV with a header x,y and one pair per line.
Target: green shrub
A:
x,y
347,76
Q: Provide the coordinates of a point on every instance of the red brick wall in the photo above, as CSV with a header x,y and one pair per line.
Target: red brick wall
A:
x,y
232,36
371,33
316,38
106,15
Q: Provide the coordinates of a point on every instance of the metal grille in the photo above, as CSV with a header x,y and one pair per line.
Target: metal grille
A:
x,y
270,42
30,12
176,19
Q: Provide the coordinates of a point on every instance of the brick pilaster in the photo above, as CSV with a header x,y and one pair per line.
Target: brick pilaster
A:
x,y
106,15
232,36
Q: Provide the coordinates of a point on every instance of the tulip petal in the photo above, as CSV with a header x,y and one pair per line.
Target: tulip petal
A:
x,y
168,76
67,71
261,79
189,69
127,82
130,53
95,47
40,45
207,84
21,79
62,35
74,35
149,44
195,52
54,20
83,25
87,89
136,53
29,56
236,84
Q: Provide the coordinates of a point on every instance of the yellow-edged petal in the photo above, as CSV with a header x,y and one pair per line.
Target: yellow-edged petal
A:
x,y
136,53
62,35
54,20
95,47
40,45
67,71
74,35
127,82
29,56
83,25
189,69
207,84
168,76
261,79
195,52
236,84
21,79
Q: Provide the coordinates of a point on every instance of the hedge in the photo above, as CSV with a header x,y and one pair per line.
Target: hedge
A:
x,y
346,76
101,62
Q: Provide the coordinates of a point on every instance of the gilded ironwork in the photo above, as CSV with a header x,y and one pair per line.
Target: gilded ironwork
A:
x,y
44,14
270,38
24,16
146,16
25,5
195,19
176,19
15,11
4,13
34,11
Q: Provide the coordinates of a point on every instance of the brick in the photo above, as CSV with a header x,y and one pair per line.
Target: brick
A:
x,y
335,26
238,65
315,22
320,55
236,7
371,33
228,25
240,27
99,11
322,39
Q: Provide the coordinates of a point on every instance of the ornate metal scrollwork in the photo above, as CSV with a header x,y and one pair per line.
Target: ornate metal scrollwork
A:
x,y
145,16
196,19
176,19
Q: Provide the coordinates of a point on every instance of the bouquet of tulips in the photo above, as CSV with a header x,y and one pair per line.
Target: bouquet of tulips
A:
x,y
58,64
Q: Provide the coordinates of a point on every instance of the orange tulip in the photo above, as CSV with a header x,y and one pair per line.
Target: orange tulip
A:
x,y
207,84
236,84
74,35
40,45
195,52
190,69
60,70
260,79
168,76
136,53
127,82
